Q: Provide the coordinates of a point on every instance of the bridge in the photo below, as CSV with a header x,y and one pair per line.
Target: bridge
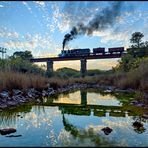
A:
x,y
83,60
86,109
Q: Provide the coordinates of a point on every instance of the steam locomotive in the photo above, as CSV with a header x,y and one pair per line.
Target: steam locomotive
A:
x,y
87,51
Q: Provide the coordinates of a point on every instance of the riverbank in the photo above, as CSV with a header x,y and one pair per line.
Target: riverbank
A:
x,y
16,97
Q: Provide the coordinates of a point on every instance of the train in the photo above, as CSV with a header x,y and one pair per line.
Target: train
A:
x,y
87,51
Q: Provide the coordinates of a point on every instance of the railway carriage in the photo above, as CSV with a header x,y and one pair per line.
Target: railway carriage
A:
x,y
86,52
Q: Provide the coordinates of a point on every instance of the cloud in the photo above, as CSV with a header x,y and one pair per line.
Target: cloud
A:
x,y
37,43
1,6
5,33
111,36
55,17
27,6
41,3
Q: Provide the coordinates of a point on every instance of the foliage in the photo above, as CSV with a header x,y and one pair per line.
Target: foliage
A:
x,y
20,65
24,55
135,54
137,39
66,73
94,72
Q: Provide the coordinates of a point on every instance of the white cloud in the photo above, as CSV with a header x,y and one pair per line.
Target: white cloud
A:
x,y
36,43
5,33
1,6
28,7
41,3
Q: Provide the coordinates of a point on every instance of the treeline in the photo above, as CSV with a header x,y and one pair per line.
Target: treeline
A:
x,y
19,62
131,72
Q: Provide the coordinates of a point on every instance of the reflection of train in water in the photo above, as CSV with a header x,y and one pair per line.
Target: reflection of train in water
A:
x,y
87,51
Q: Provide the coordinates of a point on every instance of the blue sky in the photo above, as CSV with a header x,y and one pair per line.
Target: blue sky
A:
x,y
40,26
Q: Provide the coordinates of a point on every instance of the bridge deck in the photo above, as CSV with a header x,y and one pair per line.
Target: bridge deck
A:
x,y
105,56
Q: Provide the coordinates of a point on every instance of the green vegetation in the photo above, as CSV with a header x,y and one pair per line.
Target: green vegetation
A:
x,y
19,62
132,69
131,72
66,73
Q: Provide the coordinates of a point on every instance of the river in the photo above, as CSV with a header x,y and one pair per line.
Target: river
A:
x,y
78,118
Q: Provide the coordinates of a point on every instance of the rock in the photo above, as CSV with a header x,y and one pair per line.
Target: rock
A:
x,y
140,105
32,93
134,102
7,131
14,136
44,93
137,124
120,90
108,91
12,103
17,92
3,106
107,130
3,100
38,101
4,94
145,116
50,89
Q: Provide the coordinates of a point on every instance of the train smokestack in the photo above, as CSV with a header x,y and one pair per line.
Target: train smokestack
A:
x,y
100,21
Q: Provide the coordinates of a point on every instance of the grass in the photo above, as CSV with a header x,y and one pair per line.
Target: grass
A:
x,y
136,79
15,80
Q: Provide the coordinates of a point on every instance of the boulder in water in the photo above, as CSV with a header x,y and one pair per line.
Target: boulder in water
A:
x,y
7,131
107,130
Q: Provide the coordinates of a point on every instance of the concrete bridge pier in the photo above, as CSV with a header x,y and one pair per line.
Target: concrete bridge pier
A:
x,y
50,66
83,97
83,67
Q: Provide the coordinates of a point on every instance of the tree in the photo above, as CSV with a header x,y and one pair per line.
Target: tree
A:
x,y
146,44
136,39
24,55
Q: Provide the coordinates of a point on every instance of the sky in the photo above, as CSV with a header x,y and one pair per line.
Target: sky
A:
x,y
40,27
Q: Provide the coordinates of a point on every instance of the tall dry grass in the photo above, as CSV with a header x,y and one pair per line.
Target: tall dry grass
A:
x,y
15,80
136,79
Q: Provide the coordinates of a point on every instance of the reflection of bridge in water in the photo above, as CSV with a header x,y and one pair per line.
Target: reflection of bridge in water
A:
x,y
86,109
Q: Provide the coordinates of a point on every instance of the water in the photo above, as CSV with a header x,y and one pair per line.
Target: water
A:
x,y
76,119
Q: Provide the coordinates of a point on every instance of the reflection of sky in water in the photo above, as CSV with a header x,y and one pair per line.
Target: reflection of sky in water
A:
x,y
98,99
72,98
92,99
44,126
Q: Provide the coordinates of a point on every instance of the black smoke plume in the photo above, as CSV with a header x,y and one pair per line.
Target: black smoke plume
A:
x,y
100,21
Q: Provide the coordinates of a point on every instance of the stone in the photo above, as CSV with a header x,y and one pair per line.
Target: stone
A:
x,y
7,131
44,93
137,124
3,106
12,103
107,130
145,116
108,90
4,94
17,92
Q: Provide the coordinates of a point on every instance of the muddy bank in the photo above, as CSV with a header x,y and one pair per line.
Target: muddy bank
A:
x,y
15,98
